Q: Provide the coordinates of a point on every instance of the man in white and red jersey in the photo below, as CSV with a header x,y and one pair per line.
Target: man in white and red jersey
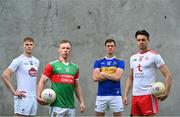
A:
x,y
64,77
26,68
143,67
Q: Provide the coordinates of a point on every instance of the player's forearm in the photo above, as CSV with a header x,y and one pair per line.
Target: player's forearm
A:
x,y
167,78
114,77
128,86
79,94
99,78
168,83
8,84
40,86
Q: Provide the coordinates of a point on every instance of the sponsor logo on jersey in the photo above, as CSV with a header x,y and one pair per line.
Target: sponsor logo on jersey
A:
x,y
63,78
139,68
66,80
102,63
58,68
108,70
32,72
139,75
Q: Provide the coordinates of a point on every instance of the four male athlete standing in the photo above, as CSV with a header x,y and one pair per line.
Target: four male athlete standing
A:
x,y
64,77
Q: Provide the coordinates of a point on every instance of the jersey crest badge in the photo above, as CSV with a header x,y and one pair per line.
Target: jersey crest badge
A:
x,y
32,72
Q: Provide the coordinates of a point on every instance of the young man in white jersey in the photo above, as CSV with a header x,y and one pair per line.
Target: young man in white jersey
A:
x,y
143,67
26,67
108,72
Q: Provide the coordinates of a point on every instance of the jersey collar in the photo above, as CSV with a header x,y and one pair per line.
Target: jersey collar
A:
x,y
110,58
144,51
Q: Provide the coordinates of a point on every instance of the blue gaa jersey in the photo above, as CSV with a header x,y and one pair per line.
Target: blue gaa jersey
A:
x,y
109,66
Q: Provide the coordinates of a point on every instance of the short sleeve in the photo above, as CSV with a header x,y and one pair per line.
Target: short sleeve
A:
x,y
14,65
96,64
121,64
48,70
131,65
159,61
77,75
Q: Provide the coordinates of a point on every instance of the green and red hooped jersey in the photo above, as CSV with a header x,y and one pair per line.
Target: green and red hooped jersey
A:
x,y
62,78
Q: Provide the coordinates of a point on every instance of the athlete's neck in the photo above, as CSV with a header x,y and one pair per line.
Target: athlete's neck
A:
x,y
144,50
63,59
27,54
109,55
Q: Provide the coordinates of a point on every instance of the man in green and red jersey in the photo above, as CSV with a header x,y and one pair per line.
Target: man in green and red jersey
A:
x,y
64,77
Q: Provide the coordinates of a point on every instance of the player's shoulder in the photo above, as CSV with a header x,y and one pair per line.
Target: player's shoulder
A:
x,y
19,58
36,59
118,59
134,54
101,58
74,64
17,61
54,62
153,52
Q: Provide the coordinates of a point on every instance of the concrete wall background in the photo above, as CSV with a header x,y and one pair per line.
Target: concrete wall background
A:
x,y
87,23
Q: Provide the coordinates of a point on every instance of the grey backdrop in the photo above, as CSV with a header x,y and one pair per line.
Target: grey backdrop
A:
x,y
87,23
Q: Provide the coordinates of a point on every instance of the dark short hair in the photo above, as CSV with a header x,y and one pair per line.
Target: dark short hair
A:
x,y
65,41
109,41
142,32
28,39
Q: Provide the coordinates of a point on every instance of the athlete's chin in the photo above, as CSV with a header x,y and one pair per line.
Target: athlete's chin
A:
x,y
110,52
29,52
65,56
142,47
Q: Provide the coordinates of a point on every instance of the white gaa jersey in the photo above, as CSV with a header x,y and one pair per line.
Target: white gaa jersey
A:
x,y
144,67
26,69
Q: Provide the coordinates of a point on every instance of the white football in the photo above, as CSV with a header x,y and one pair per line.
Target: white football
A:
x,y
48,95
158,88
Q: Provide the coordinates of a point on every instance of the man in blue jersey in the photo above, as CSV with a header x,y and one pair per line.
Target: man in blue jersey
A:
x,y
108,72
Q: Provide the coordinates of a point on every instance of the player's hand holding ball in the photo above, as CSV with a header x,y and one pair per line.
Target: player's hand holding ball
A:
x,y
48,96
158,90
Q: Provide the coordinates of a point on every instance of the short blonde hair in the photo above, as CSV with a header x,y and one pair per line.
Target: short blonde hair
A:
x,y
29,39
65,41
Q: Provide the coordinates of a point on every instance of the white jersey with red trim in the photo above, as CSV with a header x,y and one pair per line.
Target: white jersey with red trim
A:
x,y
144,67
26,69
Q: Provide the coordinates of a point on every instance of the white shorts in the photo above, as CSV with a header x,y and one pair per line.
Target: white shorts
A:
x,y
113,103
61,112
25,106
